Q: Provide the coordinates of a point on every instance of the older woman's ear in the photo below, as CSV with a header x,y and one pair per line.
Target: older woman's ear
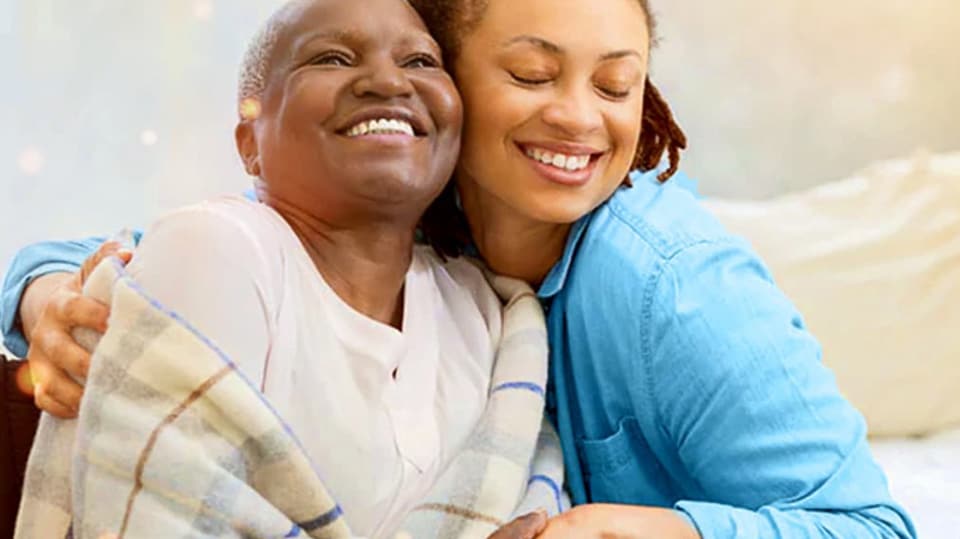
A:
x,y
246,139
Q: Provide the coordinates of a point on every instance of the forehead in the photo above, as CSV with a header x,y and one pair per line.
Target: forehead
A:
x,y
580,25
347,17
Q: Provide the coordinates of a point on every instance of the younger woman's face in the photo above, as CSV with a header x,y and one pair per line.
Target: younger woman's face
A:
x,y
553,102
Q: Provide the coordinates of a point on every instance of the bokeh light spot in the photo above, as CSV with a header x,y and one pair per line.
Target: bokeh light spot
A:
x,y
31,161
203,10
149,137
24,379
250,109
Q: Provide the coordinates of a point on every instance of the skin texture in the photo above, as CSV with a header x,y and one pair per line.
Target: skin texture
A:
x,y
541,73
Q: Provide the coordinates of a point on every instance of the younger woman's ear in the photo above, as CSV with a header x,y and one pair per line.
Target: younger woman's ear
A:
x,y
246,139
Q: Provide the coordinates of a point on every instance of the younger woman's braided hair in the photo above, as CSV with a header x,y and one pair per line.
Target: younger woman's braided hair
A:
x,y
443,225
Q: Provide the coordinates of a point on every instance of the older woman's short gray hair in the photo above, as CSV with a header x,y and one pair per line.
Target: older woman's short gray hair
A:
x,y
256,64
256,61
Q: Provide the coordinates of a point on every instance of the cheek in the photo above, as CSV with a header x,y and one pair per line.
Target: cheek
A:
x,y
494,115
443,103
310,99
624,127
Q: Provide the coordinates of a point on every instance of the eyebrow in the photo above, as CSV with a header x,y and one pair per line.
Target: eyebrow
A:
x,y
538,41
621,54
332,35
557,49
354,38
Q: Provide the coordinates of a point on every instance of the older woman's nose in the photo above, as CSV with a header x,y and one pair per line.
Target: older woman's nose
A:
x,y
383,79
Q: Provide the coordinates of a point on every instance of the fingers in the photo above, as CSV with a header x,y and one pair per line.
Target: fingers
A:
x,y
54,408
74,310
63,390
125,256
108,249
57,349
525,527
45,379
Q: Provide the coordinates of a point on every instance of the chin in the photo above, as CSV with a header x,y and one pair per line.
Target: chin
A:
x,y
557,209
398,183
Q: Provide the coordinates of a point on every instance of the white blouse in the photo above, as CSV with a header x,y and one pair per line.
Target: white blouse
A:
x,y
399,404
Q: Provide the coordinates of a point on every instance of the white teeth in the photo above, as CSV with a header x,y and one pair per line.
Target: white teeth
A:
x,y
569,163
382,126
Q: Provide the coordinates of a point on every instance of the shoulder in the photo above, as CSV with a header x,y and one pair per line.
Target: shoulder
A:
x,y
661,218
226,222
213,246
646,230
214,265
652,254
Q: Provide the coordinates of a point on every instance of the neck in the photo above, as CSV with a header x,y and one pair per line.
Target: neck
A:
x,y
365,264
512,244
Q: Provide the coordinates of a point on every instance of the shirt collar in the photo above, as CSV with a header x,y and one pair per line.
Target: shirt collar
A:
x,y
557,277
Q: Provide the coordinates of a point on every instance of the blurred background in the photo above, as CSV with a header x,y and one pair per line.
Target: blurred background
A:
x,y
116,110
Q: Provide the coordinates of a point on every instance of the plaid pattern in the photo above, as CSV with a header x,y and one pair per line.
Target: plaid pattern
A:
x,y
172,441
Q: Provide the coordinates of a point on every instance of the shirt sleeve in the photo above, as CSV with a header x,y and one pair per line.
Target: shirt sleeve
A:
x,y
35,261
755,419
208,268
41,259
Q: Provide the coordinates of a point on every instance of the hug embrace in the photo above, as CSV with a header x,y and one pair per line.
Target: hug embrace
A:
x,y
467,296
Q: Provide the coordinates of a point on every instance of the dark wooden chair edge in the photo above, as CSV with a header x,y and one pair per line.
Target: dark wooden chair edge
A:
x,y
18,424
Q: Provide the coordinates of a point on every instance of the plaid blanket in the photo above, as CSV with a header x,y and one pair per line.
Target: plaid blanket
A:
x,y
173,441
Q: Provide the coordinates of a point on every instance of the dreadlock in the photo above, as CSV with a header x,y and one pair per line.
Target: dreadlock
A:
x,y
659,133
444,225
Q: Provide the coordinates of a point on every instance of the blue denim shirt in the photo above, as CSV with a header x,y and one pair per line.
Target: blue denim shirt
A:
x,y
680,377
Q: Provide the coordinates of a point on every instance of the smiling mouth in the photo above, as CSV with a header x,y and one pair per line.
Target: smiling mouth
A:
x,y
572,163
381,126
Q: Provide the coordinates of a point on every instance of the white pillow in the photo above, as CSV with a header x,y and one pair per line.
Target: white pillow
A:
x,y
873,263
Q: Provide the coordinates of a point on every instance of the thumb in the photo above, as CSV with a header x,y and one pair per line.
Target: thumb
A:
x,y
525,527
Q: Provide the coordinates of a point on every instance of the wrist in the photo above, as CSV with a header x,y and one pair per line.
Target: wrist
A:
x,y
35,298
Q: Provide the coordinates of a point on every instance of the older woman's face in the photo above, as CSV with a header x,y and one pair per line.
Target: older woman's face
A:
x,y
553,101
358,110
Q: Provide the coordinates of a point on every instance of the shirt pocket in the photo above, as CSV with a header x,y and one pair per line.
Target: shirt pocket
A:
x,y
622,468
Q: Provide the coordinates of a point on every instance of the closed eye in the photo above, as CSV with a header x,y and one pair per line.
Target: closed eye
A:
x,y
614,94
529,81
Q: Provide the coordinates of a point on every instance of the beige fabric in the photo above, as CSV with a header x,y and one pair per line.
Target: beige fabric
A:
x,y
873,263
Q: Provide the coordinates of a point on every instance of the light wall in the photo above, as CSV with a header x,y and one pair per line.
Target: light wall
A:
x,y
785,94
